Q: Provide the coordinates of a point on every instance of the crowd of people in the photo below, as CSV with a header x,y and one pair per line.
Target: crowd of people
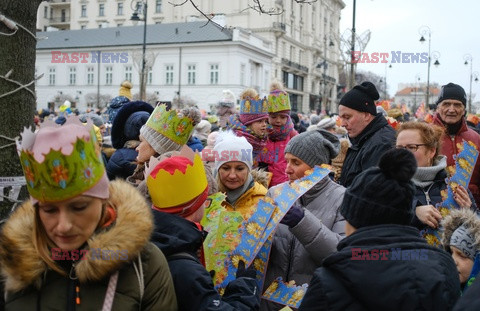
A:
x,y
116,224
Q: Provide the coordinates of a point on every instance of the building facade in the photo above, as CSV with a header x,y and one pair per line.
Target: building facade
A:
x,y
183,60
305,37
413,95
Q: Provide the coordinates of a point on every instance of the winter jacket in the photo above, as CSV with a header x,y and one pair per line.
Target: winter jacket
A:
x,y
469,300
31,285
450,147
180,240
275,158
248,200
415,276
298,251
367,148
122,162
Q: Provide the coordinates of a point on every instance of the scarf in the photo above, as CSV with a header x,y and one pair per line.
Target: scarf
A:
x,y
257,142
280,134
424,176
234,195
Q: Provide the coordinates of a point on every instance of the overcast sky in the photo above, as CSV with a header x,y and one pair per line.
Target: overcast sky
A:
x,y
394,26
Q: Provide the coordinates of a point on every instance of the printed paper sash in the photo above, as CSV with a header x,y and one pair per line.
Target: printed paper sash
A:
x,y
464,165
285,293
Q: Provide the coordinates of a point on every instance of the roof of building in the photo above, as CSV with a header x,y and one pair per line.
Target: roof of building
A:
x,y
434,91
188,32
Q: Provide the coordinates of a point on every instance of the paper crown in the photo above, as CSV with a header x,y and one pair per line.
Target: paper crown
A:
x,y
278,100
170,189
169,124
253,106
60,163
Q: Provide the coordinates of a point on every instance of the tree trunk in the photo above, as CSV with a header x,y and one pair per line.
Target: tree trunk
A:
x,y
17,54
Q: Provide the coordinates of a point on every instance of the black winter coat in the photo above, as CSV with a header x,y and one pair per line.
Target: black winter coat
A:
x,y
121,163
428,282
470,299
193,284
367,148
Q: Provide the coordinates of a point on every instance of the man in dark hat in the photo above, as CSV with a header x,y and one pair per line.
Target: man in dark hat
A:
x,y
450,114
369,132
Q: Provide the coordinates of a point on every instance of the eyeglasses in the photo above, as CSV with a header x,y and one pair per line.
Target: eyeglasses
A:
x,y
410,147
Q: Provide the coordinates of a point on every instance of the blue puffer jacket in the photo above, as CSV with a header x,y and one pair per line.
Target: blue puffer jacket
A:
x,y
122,163
195,144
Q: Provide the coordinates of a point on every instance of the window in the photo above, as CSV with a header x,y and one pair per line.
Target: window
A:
x,y
292,53
73,75
119,25
90,75
191,74
84,10
45,12
169,74
284,49
242,74
158,6
150,76
101,9
128,73
108,75
120,8
51,76
83,27
214,74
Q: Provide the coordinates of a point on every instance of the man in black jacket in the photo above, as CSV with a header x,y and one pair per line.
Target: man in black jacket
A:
x,y
383,264
369,132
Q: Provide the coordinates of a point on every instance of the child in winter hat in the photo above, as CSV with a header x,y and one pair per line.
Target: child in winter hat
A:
x,y
461,237
226,108
124,96
251,122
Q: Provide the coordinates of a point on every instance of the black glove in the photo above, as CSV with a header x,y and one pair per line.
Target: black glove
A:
x,y
293,216
245,273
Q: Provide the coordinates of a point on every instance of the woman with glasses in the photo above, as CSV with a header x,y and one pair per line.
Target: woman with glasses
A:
x,y
424,141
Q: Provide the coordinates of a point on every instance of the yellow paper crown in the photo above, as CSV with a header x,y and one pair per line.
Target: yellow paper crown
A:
x,y
169,124
170,190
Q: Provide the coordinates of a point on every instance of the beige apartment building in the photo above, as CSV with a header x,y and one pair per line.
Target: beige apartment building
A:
x,y
304,37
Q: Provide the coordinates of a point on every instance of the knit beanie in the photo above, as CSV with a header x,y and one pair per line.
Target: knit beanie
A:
x,y
361,98
461,228
202,130
314,119
314,147
230,148
96,119
326,123
383,194
168,130
125,89
452,91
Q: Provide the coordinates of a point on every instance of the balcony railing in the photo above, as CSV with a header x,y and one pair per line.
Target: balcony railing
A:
x,y
59,20
289,63
53,2
279,26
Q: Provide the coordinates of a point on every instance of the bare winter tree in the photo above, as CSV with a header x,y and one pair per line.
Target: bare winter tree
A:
x,y
91,99
18,20
150,98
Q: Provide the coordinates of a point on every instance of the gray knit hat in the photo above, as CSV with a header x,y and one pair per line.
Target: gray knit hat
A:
x,y
314,147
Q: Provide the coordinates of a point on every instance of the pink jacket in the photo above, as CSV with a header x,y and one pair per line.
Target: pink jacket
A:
x,y
274,156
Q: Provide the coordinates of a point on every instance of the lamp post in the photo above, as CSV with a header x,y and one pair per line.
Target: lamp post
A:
x,y
325,65
425,30
469,60
417,78
389,66
352,63
136,18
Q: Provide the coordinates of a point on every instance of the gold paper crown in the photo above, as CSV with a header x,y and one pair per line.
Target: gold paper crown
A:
x,y
253,106
170,190
278,100
169,124
60,163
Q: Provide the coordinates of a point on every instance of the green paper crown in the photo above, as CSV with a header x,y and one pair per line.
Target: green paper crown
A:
x,y
170,125
60,177
278,101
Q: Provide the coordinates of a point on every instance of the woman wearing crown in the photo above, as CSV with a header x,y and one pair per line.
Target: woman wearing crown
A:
x,y
80,242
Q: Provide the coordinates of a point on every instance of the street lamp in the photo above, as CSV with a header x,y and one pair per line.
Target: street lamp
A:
x,y
425,30
417,78
469,60
325,65
135,18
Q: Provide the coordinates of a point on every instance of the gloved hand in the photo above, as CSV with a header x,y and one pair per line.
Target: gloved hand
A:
x,y
293,216
245,273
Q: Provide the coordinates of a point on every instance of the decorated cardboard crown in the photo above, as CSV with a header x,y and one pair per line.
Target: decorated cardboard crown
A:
x,y
253,106
170,189
174,126
278,100
60,163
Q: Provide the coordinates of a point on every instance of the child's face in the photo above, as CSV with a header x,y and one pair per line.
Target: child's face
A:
x,y
464,264
277,120
259,127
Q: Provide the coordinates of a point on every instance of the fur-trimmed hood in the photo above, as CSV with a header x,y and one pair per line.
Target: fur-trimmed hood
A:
x,y
22,266
262,177
455,219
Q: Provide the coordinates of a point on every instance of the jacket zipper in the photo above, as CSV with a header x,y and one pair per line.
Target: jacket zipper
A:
x,y
427,196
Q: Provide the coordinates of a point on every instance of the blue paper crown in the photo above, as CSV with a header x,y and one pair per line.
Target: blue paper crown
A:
x,y
254,106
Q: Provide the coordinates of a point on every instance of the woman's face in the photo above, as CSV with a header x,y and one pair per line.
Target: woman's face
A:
x,y
277,119
259,127
70,223
295,167
233,174
409,138
145,151
464,264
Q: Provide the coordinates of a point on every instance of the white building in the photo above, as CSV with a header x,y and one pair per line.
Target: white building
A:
x,y
305,37
414,94
187,59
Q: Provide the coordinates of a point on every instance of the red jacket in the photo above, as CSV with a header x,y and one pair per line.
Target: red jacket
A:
x,y
449,148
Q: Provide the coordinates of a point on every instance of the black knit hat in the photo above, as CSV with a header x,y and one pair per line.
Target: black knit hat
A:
x,y
361,98
384,194
452,91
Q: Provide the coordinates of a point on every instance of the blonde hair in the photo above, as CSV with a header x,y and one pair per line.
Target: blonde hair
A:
x,y
430,134
276,85
248,93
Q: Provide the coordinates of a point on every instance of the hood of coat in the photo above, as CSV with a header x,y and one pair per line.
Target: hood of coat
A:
x,y
174,234
22,266
260,176
455,219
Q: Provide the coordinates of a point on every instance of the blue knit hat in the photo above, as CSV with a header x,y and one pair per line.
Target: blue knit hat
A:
x,y
127,123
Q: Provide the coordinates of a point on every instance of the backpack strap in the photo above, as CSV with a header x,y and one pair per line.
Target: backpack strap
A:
x,y
181,255
112,287
139,273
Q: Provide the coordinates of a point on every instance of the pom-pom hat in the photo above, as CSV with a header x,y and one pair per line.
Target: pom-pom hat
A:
x,y
384,194
62,162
